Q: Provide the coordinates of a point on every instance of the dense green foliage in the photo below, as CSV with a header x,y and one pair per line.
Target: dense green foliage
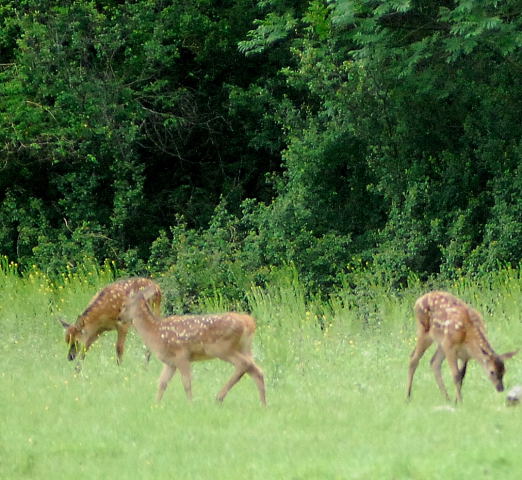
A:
x,y
216,142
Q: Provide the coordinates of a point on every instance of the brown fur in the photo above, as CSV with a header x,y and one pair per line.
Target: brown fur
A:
x,y
103,314
459,332
179,340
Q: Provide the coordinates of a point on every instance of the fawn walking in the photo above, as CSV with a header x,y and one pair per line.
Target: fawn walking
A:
x,y
179,340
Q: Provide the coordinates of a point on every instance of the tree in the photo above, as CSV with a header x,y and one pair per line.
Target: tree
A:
x,y
116,116
401,121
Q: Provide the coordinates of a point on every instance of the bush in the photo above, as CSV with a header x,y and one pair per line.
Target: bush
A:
x,y
197,264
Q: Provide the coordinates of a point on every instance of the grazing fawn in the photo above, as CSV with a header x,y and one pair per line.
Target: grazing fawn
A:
x,y
103,314
179,340
458,331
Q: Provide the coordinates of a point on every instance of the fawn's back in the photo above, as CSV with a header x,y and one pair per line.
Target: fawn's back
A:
x,y
203,336
443,315
105,307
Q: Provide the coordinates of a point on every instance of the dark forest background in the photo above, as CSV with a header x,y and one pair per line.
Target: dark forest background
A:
x,y
218,143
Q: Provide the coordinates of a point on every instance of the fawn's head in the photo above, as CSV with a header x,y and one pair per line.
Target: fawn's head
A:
x,y
494,366
136,303
71,338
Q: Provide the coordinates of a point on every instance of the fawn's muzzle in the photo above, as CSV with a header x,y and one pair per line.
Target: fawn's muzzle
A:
x,y
72,352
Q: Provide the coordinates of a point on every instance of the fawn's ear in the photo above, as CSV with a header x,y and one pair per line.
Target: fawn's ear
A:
x,y
505,356
64,323
148,293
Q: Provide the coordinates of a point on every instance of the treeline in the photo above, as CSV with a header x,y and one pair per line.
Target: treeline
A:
x,y
218,141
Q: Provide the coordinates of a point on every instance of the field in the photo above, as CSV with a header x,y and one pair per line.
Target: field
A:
x,y
336,396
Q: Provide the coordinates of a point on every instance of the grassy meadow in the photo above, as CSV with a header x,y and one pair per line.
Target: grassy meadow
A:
x,y
336,396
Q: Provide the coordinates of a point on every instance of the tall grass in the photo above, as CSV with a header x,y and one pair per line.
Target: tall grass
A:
x,y
335,371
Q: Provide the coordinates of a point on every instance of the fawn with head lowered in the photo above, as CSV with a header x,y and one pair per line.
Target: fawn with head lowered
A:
x,y
459,332
103,314
179,340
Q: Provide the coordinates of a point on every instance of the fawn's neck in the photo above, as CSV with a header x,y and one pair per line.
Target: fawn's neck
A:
x,y
478,344
146,324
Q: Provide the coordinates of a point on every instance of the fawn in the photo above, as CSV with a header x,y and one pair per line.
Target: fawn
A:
x,y
179,340
459,332
103,314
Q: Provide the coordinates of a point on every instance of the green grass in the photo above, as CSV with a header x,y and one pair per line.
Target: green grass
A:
x,y
336,397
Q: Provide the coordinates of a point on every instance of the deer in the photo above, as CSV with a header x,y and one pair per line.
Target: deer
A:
x,y
179,340
103,314
459,333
